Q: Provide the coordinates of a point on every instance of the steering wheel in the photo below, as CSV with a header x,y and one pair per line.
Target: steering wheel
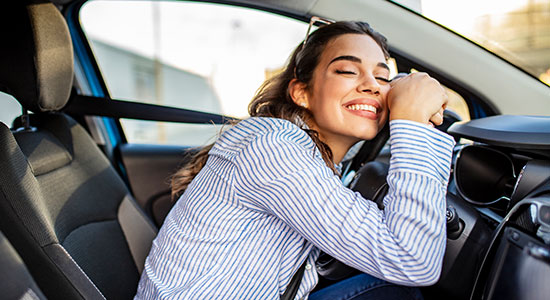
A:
x,y
370,182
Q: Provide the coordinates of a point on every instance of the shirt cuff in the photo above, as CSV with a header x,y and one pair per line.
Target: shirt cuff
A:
x,y
421,149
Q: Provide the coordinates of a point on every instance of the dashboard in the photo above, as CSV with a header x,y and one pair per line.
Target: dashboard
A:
x,y
501,167
507,159
499,186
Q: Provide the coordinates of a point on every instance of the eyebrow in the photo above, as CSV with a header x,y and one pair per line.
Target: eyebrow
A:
x,y
358,60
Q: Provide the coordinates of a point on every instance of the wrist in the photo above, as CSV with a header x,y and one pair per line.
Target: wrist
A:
x,y
408,116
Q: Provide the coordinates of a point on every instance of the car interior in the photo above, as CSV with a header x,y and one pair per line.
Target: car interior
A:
x,y
78,216
71,212
21,284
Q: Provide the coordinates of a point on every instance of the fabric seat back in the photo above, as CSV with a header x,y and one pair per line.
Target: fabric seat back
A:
x,y
62,205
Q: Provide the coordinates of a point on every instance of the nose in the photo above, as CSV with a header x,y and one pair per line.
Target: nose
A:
x,y
369,84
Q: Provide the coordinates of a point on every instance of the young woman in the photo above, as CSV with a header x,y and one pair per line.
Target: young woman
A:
x,y
268,196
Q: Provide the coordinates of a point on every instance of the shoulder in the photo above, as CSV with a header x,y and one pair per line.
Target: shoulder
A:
x,y
277,134
267,144
261,134
273,150
260,126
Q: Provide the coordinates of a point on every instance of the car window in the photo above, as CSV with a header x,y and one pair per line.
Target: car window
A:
x,y
9,109
515,30
199,56
457,104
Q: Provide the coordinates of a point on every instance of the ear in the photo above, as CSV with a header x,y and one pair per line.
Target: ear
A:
x,y
298,92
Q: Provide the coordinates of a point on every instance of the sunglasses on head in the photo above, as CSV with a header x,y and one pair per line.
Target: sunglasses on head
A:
x,y
315,21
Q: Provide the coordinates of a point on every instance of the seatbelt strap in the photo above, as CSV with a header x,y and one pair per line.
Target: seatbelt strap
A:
x,y
294,284
370,149
97,106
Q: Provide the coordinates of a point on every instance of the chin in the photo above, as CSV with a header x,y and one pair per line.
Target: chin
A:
x,y
368,137
367,133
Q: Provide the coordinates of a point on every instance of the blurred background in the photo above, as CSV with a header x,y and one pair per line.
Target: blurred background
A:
x,y
213,58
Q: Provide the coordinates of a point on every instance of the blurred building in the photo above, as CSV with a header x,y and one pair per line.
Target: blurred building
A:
x,y
134,77
521,36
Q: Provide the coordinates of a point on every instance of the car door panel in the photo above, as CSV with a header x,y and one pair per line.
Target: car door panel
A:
x,y
148,170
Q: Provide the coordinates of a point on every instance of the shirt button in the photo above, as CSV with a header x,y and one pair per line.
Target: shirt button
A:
x,y
308,267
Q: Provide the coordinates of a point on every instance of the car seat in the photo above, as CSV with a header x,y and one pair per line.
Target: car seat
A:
x,y
62,205
15,280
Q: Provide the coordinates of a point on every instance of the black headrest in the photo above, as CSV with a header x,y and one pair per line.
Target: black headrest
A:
x,y
36,55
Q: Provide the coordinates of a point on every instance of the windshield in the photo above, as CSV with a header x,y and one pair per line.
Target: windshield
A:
x,y
516,30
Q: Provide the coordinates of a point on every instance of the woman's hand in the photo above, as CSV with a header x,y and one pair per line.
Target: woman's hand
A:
x,y
417,97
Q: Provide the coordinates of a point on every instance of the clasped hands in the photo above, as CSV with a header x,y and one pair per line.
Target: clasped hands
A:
x,y
417,97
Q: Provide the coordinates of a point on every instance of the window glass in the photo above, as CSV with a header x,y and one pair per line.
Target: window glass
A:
x,y
199,56
457,104
9,109
516,30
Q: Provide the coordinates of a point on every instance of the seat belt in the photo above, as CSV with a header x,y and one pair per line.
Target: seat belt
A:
x,y
98,106
294,284
370,149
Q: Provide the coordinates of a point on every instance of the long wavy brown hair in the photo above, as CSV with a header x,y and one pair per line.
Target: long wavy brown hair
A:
x,y
273,98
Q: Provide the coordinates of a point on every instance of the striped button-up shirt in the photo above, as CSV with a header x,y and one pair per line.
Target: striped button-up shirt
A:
x,y
265,202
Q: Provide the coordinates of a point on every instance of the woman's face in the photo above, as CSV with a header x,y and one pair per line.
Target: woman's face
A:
x,y
347,95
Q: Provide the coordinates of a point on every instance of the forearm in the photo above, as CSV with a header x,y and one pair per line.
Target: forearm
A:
x,y
415,204
404,243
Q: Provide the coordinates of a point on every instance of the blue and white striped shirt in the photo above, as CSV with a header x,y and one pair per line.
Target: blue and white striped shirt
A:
x,y
265,201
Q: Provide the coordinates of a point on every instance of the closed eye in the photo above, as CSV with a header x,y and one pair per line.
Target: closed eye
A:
x,y
345,72
383,79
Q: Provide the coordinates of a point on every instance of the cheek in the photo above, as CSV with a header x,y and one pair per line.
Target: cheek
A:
x,y
326,98
384,90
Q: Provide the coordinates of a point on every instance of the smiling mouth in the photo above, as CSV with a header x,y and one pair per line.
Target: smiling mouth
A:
x,y
362,107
